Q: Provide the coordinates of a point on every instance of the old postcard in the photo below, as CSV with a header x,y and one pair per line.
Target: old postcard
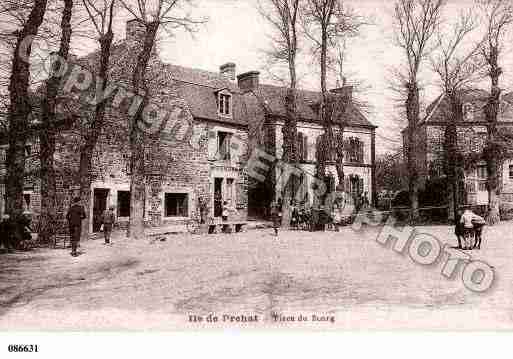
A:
x,y
242,164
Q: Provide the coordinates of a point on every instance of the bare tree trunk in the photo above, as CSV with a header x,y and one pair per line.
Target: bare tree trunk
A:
x,y
19,110
289,131
324,148
412,114
137,180
84,172
493,153
48,221
450,138
93,133
339,147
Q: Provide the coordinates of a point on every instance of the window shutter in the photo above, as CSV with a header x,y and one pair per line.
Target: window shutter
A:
x,y
318,147
305,148
212,145
360,151
227,147
227,104
347,184
299,146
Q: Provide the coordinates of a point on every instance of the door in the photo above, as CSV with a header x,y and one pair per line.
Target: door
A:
x,y
100,196
218,197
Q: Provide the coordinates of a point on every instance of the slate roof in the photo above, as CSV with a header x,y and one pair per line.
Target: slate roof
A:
x,y
198,88
478,98
202,102
274,97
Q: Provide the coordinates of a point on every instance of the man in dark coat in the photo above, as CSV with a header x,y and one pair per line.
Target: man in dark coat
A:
x,y
75,216
6,233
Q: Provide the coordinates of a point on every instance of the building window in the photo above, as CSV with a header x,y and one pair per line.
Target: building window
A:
x,y
28,150
128,163
302,147
230,189
468,111
123,203
330,183
354,150
225,104
323,149
482,172
26,202
176,205
510,171
223,145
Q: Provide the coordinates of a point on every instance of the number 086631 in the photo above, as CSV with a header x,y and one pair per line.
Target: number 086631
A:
x,y
22,348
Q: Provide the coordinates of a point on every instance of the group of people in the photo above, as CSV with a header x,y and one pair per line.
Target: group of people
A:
x,y
468,228
227,209
13,233
302,217
75,216
468,225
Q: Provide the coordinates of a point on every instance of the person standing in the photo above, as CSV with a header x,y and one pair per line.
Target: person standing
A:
x,y
468,219
276,217
75,216
459,230
226,209
6,233
108,219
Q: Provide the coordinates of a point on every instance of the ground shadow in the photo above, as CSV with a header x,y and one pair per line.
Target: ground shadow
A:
x,y
104,271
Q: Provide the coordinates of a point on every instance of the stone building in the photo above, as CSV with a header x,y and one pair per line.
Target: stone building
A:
x,y
267,107
230,116
472,135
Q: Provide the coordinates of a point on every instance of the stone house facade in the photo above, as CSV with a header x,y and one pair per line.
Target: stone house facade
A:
x,y
472,135
266,103
226,114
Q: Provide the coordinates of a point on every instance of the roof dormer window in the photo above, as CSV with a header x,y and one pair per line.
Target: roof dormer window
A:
x,y
468,111
224,103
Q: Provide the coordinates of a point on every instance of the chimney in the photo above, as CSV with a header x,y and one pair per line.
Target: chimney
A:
x,y
248,81
135,31
228,71
345,91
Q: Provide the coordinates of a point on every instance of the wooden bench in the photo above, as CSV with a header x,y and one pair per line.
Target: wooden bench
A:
x,y
61,238
227,227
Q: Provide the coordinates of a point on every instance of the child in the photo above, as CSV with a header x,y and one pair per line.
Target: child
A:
x,y
458,227
224,214
337,218
108,219
227,208
478,231
303,218
467,220
294,218
276,217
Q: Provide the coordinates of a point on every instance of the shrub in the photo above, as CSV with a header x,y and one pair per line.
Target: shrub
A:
x,y
506,211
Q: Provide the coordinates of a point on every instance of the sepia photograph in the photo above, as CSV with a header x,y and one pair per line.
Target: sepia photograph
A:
x,y
199,165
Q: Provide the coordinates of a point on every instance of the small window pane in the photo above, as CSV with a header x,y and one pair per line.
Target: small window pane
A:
x,y
227,105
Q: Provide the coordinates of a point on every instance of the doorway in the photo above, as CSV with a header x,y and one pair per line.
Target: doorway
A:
x,y
218,197
100,196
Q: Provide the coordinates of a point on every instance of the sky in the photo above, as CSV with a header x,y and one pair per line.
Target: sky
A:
x,y
236,32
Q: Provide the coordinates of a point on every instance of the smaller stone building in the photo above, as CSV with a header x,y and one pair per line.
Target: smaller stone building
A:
x,y
472,135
